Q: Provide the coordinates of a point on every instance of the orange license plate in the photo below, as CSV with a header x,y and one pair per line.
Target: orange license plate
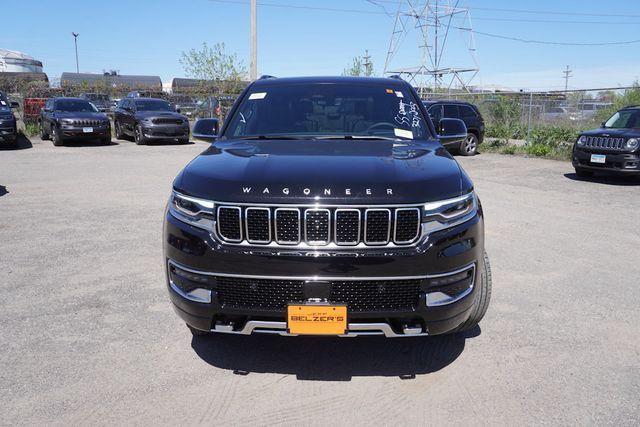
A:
x,y
317,319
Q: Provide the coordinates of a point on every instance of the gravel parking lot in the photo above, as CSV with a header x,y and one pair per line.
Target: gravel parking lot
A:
x,y
89,337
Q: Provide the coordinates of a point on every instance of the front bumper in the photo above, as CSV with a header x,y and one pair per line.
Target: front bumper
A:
x,y
617,163
442,253
79,133
8,131
166,131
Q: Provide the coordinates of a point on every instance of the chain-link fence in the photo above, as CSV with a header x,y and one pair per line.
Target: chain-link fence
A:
x,y
517,115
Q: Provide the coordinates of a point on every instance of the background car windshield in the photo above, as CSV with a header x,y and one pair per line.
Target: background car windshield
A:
x,y
75,105
153,105
335,109
97,97
624,119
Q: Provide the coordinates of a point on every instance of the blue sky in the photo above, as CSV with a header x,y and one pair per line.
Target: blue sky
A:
x,y
147,37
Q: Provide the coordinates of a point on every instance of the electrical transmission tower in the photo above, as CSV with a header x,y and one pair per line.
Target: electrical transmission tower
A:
x,y
433,22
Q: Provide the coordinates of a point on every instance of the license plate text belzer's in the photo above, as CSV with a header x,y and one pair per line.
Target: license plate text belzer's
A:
x,y
317,319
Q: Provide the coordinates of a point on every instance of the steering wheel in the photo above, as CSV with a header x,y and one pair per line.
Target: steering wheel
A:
x,y
379,125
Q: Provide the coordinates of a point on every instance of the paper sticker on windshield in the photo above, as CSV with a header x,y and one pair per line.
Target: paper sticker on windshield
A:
x,y
399,94
403,133
3,103
258,95
389,91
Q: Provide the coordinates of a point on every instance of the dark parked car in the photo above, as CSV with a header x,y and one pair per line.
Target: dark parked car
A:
x,y
613,148
327,206
464,111
63,119
8,127
100,100
147,119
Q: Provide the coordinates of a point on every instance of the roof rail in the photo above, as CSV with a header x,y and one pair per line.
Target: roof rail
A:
x,y
266,76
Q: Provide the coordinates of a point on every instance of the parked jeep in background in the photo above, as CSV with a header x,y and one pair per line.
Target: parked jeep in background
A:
x,y
63,119
147,119
100,100
8,124
464,111
327,206
612,148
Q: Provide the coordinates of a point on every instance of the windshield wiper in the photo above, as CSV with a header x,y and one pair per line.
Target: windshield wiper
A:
x,y
252,137
361,137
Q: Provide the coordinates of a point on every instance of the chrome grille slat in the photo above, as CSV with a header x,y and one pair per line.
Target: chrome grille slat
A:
x,y
287,226
605,142
258,225
377,226
318,226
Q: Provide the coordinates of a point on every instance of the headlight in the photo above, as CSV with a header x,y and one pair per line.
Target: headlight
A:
x,y
147,121
67,122
193,211
582,140
632,144
448,213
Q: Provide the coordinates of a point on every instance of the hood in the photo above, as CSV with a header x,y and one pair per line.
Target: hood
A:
x,y
80,115
616,133
5,112
148,114
342,172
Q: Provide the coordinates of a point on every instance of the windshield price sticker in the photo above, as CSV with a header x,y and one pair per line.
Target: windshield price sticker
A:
x,y
403,133
258,95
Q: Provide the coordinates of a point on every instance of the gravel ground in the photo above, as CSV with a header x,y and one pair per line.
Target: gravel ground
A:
x,y
89,337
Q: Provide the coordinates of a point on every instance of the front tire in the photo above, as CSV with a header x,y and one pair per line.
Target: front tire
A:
x,y
118,130
43,135
58,140
483,296
105,141
469,147
140,139
183,140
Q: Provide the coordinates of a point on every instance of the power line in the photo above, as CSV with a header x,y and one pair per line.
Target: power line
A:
x,y
539,12
499,36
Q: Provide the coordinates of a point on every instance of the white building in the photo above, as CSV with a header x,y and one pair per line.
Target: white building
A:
x,y
18,62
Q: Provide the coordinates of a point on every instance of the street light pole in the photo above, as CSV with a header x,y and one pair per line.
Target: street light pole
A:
x,y
75,41
253,72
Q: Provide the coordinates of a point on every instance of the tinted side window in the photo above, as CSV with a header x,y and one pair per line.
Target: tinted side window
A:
x,y
451,111
435,112
467,112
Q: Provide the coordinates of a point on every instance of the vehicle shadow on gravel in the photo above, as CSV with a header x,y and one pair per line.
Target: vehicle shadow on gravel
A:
x,y
606,180
87,143
22,143
331,358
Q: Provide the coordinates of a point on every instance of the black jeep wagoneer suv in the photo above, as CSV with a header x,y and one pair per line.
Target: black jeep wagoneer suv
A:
x,y
327,206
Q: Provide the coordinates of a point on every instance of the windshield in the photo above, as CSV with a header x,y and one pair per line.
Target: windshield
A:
x,y
153,105
625,119
3,100
75,105
329,110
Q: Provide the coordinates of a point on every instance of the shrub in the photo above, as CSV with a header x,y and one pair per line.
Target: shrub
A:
x,y
538,150
31,129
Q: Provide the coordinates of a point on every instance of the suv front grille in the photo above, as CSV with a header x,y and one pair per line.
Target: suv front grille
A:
x,y
318,226
605,142
88,123
358,295
167,121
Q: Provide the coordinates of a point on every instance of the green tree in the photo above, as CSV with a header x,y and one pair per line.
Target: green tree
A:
x,y
361,66
212,63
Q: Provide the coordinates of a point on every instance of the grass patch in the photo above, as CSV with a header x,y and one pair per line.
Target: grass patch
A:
x,y
31,129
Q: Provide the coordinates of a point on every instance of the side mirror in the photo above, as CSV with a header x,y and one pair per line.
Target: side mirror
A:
x,y
178,110
206,130
47,110
451,131
14,104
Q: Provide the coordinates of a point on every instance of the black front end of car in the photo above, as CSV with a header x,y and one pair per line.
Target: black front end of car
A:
x,y
83,128
165,127
8,127
425,288
374,232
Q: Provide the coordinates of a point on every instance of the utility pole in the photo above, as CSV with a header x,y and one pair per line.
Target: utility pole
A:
x,y
567,74
368,66
253,73
75,41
